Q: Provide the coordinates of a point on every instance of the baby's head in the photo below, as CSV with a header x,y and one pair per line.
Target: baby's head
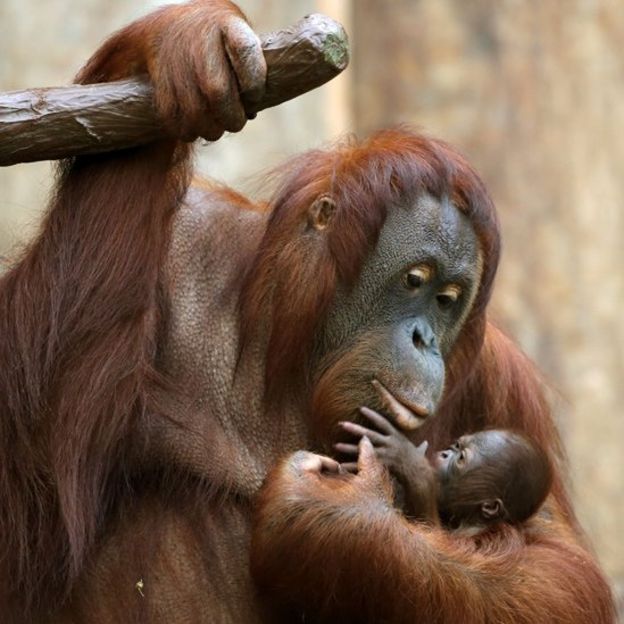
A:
x,y
491,476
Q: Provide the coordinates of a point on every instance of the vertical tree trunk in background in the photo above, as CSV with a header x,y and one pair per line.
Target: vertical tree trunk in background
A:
x,y
533,93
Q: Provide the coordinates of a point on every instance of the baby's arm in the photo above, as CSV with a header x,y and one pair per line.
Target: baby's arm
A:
x,y
405,461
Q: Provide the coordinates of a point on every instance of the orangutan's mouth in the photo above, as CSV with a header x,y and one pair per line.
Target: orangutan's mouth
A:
x,y
407,416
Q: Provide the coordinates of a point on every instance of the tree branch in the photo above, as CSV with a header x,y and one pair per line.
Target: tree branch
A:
x,y
53,123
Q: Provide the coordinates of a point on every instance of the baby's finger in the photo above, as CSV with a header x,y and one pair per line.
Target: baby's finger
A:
x,y
422,447
347,449
358,430
381,422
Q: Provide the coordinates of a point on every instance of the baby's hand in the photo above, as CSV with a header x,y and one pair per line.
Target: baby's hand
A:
x,y
394,450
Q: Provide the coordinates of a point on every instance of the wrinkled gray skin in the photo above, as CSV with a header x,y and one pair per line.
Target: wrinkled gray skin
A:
x,y
188,562
203,343
403,334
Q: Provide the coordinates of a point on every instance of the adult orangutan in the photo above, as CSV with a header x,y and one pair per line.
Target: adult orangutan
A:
x,y
162,348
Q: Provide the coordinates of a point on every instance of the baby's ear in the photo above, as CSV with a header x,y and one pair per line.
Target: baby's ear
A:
x,y
492,509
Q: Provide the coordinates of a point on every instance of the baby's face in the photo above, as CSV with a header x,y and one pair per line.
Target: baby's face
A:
x,y
469,452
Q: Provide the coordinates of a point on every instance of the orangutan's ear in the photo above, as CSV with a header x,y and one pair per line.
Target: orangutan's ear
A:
x,y
321,212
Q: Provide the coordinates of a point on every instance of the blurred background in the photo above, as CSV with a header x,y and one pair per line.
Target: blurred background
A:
x,y
532,92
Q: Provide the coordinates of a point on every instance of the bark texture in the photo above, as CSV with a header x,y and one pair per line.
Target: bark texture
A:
x,y
53,123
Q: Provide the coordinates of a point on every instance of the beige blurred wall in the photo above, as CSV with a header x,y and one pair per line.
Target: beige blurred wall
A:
x,y
531,91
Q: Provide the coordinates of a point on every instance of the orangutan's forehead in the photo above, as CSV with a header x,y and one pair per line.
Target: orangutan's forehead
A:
x,y
431,230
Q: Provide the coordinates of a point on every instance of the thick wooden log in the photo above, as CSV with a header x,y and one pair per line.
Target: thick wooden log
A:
x,y
53,123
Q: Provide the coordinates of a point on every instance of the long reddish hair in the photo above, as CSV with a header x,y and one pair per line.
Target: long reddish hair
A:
x,y
79,320
292,280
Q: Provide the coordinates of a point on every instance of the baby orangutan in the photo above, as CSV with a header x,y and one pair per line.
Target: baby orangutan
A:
x,y
487,477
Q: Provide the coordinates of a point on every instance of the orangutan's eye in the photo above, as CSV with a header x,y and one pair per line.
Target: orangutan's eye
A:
x,y
449,295
417,276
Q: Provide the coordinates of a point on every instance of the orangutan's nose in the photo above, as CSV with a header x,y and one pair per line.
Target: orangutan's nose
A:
x,y
423,336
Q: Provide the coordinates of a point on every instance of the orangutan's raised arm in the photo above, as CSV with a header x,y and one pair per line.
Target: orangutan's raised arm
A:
x,y
81,312
205,62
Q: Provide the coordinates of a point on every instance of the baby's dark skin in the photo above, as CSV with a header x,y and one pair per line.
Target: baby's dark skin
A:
x,y
405,461
486,477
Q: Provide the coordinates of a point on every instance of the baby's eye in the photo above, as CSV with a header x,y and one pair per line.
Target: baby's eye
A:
x,y
462,457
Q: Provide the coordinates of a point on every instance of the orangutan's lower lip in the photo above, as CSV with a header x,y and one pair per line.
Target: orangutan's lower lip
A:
x,y
407,415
